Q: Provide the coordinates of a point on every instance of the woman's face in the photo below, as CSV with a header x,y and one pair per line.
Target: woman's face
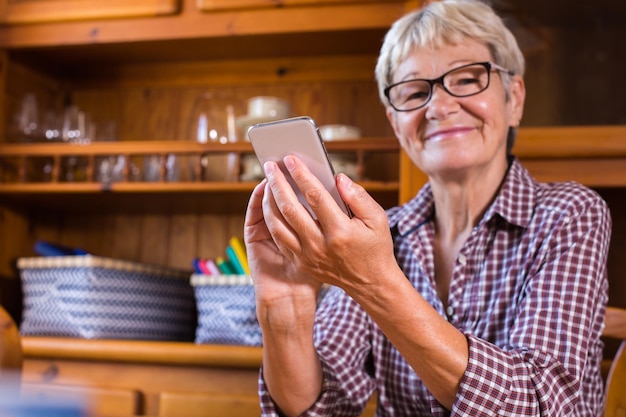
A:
x,y
453,137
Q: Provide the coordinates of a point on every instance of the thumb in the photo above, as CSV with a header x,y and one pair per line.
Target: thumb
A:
x,y
362,205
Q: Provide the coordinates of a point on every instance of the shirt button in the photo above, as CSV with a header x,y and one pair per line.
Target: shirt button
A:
x,y
462,259
450,311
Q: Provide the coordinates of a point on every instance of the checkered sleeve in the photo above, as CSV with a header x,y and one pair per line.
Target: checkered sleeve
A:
x,y
342,343
558,314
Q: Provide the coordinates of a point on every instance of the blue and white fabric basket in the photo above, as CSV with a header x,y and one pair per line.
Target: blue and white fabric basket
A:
x,y
226,310
101,298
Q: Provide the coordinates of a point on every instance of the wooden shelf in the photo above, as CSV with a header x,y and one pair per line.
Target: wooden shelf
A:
x,y
134,351
140,196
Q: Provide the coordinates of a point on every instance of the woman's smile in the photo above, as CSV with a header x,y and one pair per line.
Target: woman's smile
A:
x,y
447,133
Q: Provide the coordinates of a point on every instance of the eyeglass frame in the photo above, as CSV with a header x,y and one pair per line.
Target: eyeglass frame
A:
x,y
489,66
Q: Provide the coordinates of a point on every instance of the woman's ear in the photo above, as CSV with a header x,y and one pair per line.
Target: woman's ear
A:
x,y
517,98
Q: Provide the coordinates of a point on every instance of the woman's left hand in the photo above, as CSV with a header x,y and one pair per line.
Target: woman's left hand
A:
x,y
347,252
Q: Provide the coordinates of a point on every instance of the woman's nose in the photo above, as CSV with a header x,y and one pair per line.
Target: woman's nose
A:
x,y
441,103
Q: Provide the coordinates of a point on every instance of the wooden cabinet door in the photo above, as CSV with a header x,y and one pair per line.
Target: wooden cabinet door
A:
x,y
38,11
187,404
411,178
98,401
181,404
210,5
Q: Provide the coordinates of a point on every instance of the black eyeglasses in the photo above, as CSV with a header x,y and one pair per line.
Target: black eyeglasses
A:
x,y
463,81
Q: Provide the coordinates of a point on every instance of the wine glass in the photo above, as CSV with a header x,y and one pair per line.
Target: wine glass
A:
x,y
27,119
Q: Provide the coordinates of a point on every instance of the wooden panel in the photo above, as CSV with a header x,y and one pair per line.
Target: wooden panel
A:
x,y
183,240
615,333
10,347
176,404
14,239
127,242
411,178
592,172
4,85
615,323
213,5
98,401
571,142
154,240
36,11
616,383
229,73
616,199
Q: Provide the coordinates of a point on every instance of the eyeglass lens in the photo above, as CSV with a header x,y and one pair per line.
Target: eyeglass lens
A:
x,y
460,82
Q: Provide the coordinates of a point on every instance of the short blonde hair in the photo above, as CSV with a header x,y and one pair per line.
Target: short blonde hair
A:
x,y
447,22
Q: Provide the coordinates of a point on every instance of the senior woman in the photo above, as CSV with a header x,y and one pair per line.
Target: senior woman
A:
x,y
484,295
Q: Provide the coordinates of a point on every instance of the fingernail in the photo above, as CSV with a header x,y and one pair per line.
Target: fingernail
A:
x,y
268,168
345,181
289,163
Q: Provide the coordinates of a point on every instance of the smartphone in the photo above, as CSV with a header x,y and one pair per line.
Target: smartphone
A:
x,y
298,136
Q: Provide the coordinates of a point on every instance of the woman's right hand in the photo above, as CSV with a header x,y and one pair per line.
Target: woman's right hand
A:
x,y
284,295
286,301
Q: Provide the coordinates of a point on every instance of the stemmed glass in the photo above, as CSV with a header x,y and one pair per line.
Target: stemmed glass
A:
x,y
27,119
74,131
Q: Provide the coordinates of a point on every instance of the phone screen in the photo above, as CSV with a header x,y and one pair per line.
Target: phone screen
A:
x,y
298,136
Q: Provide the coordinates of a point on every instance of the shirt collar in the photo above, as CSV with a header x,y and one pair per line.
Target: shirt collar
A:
x,y
517,196
514,202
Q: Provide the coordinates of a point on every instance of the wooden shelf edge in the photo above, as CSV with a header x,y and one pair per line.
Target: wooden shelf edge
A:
x,y
571,142
138,351
125,188
161,187
165,147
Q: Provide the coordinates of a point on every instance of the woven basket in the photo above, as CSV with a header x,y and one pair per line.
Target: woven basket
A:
x,y
100,298
226,310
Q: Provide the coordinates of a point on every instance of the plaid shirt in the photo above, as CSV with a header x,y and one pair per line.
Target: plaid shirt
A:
x,y
528,290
